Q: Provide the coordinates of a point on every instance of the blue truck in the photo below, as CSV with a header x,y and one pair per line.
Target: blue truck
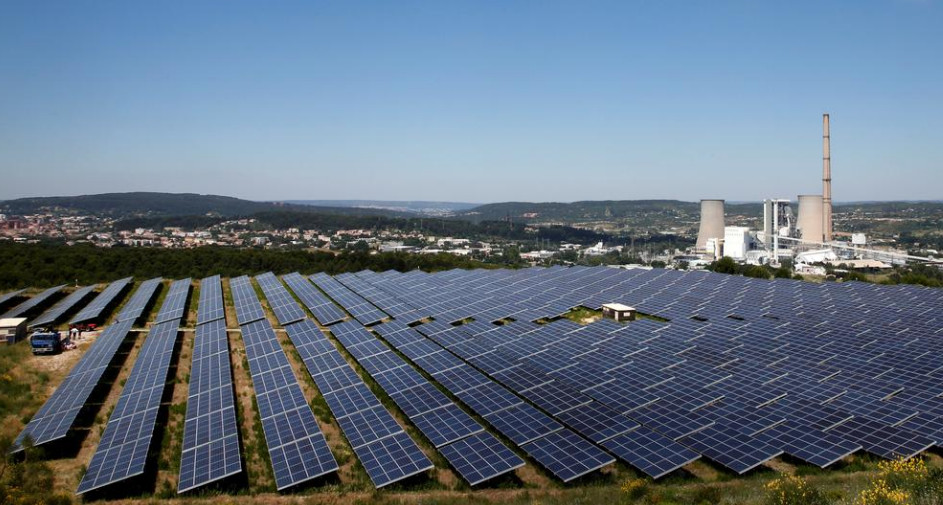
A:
x,y
46,342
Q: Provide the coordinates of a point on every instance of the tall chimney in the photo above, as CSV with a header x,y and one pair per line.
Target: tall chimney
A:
x,y
826,181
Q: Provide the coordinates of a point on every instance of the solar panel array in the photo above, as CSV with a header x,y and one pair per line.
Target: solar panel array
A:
x,y
567,455
55,313
360,308
6,297
134,309
94,309
248,306
211,305
210,434
323,308
387,453
175,303
297,449
122,451
279,299
30,304
58,414
742,370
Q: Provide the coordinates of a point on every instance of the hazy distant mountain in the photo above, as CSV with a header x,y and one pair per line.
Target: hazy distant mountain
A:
x,y
152,204
418,207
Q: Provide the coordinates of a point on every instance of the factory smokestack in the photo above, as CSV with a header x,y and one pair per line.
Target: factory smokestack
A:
x,y
712,222
826,181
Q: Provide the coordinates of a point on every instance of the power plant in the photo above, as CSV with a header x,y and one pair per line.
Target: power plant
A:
x,y
803,233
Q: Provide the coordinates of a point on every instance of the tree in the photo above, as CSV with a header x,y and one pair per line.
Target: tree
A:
x,y
725,265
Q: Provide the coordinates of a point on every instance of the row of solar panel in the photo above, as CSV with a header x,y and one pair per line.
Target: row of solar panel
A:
x,y
544,359
122,451
58,414
297,448
210,449
443,423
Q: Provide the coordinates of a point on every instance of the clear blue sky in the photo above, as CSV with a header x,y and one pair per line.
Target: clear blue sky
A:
x,y
472,101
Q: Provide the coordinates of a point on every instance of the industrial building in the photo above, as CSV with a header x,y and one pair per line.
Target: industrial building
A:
x,y
12,329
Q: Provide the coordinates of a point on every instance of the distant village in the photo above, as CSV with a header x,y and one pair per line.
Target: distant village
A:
x,y
246,233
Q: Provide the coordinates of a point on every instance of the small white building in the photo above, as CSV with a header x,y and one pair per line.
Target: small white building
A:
x,y
12,329
737,241
618,311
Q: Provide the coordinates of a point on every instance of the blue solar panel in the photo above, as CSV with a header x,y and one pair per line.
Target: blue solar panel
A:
x,y
522,423
446,425
55,313
248,307
736,451
122,451
134,309
808,444
211,439
321,306
31,303
566,455
211,300
650,452
297,448
369,427
94,309
392,459
480,457
284,306
6,297
360,308
56,416
175,303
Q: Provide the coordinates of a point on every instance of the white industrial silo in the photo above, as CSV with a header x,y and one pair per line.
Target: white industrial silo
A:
x,y
811,225
712,222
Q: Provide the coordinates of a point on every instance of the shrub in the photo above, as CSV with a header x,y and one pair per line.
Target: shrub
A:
x,y
793,490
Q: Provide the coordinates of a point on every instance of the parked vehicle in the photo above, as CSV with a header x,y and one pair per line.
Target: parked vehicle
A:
x,y
44,341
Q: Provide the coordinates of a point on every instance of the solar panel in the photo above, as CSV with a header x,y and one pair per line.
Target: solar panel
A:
x,y
360,308
321,306
392,459
654,454
4,298
368,426
808,444
566,455
385,450
446,425
210,434
522,423
56,312
122,451
597,422
211,300
736,451
142,296
420,399
31,303
480,457
175,302
56,416
297,448
285,307
248,307
882,440
94,309
759,355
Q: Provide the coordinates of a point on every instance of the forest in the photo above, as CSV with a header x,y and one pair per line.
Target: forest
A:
x,y
41,265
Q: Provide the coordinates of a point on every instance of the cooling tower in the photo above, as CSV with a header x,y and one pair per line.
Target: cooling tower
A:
x,y
712,222
810,222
